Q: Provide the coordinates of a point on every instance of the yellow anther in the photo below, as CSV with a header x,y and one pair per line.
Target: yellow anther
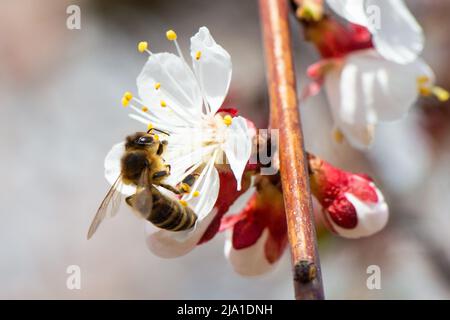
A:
x,y
183,203
125,102
424,91
442,94
142,46
128,95
156,137
185,187
198,54
149,126
227,120
157,85
163,103
310,10
338,136
144,109
196,193
171,35
423,80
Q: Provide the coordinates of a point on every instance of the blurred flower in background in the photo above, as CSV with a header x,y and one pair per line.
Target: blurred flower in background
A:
x,y
370,73
59,88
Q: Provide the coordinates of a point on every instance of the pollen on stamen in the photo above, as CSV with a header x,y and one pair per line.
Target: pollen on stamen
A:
x,y
183,203
156,137
142,46
125,102
128,95
440,93
423,80
171,35
126,98
227,120
144,109
185,187
424,91
338,136
149,126
196,193
198,54
163,103
157,85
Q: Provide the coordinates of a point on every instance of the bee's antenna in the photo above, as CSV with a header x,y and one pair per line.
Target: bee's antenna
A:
x,y
161,131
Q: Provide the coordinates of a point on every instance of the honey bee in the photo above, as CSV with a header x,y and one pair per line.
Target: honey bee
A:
x,y
142,165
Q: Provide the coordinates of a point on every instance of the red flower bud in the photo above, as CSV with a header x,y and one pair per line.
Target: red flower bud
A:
x,y
334,40
353,206
258,235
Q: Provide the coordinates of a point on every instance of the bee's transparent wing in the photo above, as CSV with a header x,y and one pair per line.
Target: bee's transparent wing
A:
x,y
108,208
116,200
143,199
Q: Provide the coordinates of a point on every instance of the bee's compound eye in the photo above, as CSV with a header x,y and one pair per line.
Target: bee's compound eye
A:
x,y
145,140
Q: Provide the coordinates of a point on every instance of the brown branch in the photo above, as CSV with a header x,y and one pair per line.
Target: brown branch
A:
x,y
293,163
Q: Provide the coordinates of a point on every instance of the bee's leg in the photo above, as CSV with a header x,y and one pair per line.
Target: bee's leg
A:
x,y
170,188
162,147
160,174
187,183
190,179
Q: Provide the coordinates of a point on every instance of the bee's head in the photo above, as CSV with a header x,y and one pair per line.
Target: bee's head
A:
x,y
140,140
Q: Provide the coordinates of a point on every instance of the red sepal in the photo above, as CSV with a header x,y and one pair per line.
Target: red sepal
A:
x,y
330,186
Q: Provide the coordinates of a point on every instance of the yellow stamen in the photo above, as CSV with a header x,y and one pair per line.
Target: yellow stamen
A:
x,y
142,46
198,54
157,85
423,79
128,95
163,103
156,137
144,109
196,193
171,35
149,126
310,10
125,102
183,203
338,136
440,93
424,91
227,120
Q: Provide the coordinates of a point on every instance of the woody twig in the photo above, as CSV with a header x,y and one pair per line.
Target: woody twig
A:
x,y
293,162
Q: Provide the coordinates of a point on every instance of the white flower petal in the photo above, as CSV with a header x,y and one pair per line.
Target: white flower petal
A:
x,y
167,244
213,68
238,147
372,217
368,89
113,168
209,192
396,34
179,89
352,10
349,117
249,261
181,161
385,88
398,37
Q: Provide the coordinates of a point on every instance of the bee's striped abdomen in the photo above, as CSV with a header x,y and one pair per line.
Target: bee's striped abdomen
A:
x,y
170,215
